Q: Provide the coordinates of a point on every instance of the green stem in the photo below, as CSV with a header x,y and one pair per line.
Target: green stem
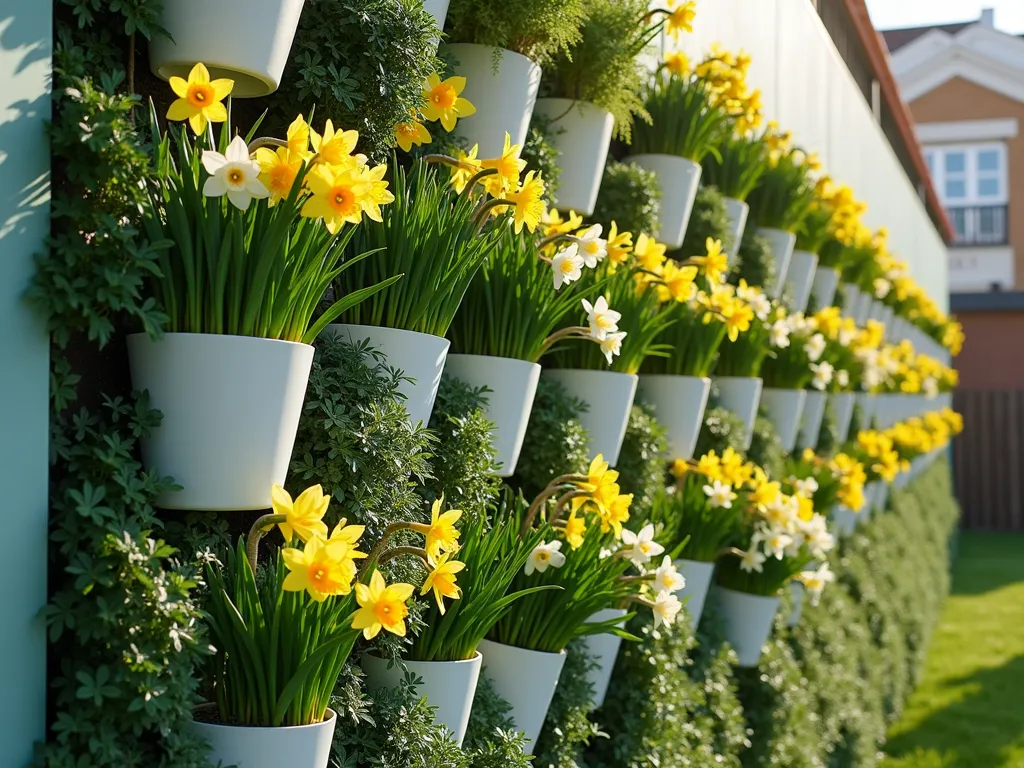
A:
x,y
260,527
378,548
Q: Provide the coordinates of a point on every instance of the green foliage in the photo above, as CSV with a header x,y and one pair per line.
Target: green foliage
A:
x,y
737,167
643,457
540,154
754,261
693,344
766,448
784,194
683,121
630,197
708,219
721,429
538,29
491,737
363,63
568,728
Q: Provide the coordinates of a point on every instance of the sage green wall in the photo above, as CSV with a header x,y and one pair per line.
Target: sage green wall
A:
x,y
25,63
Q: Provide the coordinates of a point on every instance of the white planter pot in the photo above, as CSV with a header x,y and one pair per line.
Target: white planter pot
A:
x,y
200,30
864,300
826,280
885,410
844,520
582,134
737,211
796,589
851,300
420,356
679,403
438,9
513,384
944,400
679,180
231,407
450,686
695,593
747,621
877,312
785,408
842,412
881,497
810,421
603,649
504,98
781,244
866,403
610,397
297,746
741,395
799,278
526,680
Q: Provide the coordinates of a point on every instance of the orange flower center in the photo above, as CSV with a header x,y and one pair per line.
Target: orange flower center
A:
x,y
201,95
543,557
408,129
443,96
281,178
343,200
389,613
318,576
236,177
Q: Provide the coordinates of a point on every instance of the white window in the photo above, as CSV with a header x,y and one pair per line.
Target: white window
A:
x,y
969,175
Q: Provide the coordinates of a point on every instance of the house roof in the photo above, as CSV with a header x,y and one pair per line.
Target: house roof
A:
x,y
897,38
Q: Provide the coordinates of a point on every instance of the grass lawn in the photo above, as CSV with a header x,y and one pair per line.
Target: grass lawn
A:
x,y
969,709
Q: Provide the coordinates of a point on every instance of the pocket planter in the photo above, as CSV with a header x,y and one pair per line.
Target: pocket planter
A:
x,y
695,593
679,403
420,356
513,384
842,411
255,60
785,408
781,244
526,680
851,300
298,746
826,280
231,407
800,277
679,180
864,301
844,520
747,622
450,686
810,421
603,649
741,396
866,403
581,133
502,85
737,211
796,590
610,397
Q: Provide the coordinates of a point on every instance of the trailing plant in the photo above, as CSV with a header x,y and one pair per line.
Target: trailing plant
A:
x,y
629,196
537,29
737,167
684,123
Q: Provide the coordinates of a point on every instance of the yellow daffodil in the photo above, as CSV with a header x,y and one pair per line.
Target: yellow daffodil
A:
x,y
278,171
338,196
650,254
317,570
441,534
679,468
710,466
381,607
616,512
575,528
677,283
441,580
715,263
410,134
677,62
529,203
681,19
347,535
765,494
304,516
508,166
335,147
468,167
378,193
619,245
443,102
199,99
555,225
298,137
737,316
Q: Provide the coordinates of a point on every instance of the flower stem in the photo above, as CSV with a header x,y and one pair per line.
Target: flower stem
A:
x,y
378,548
391,554
576,331
260,527
266,141
563,500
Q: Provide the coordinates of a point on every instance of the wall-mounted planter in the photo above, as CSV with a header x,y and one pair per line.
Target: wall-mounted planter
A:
x,y
866,403
747,622
863,309
737,211
826,280
679,180
526,680
842,411
450,686
810,421
199,29
603,650
438,9
800,277
504,97
513,384
781,244
851,300
231,407
582,134
695,593
741,396
784,408
679,403
844,520
420,356
610,397
297,746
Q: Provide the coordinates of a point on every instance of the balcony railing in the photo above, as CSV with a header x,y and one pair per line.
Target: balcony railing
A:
x,y
980,225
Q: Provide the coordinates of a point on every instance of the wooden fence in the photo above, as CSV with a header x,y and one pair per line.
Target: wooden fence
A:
x,y
988,459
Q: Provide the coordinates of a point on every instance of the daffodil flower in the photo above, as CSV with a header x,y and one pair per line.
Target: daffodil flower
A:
x,y
567,266
381,607
681,19
508,166
640,547
815,581
279,170
720,494
611,345
822,375
441,580
235,174
334,147
378,193
677,63
666,607
715,263
443,102
317,570
752,560
410,134
592,247
620,245
441,534
529,203
667,577
304,517
575,528
649,253
338,195
543,556
602,318
815,347
199,99
468,167
555,225
298,137
615,512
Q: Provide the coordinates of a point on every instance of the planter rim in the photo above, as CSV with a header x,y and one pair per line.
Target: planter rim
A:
x,y
583,102
476,655
747,594
736,378
384,328
504,51
662,154
496,357
678,376
211,705
185,334
520,648
590,371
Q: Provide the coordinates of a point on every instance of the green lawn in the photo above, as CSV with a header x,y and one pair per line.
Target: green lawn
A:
x,y
969,709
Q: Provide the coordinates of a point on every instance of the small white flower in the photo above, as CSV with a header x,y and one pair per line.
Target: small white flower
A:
x,y
666,607
592,247
667,578
930,387
843,378
806,487
822,375
752,560
779,337
815,347
611,345
720,494
761,305
640,547
544,555
567,266
602,318
776,543
235,174
882,287
847,335
815,581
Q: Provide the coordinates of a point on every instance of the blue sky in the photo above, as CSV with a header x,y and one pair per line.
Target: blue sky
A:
x,y
887,14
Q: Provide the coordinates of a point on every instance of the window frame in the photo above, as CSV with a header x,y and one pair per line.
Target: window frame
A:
x,y
936,157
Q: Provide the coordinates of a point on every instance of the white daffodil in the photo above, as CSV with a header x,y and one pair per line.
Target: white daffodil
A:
x,y
640,547
567,266
592,247
234,174
720,494
843,378
816,581
815,347
806,487
776,543
667,578
611,345
930,387
779,337
800,323
822,375
882,287
752,560
602,318
847,335
784,513
666,607
872,376
544,555
761,305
